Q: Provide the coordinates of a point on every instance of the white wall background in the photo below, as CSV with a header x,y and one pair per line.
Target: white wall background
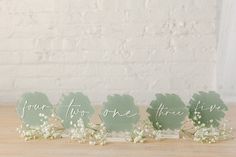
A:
x,y
101,47
226,62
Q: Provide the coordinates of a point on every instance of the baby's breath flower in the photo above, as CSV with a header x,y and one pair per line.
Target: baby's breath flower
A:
x,y
143,131
93,134
212,134
44,131
47,130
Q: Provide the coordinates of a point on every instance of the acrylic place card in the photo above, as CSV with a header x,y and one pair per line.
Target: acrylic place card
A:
x,y
72,108
167,113
207,112
207,109
119,114
34,109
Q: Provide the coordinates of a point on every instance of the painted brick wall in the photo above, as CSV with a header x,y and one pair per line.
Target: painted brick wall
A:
x,y
100,47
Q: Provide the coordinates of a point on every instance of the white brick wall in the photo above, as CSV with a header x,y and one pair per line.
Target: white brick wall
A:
x,y
101,47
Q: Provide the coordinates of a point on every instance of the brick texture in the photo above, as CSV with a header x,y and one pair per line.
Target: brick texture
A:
x,y
101,47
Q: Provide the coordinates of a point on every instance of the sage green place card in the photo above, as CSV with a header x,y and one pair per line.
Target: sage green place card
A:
x,y
206,109
119,113
34,108
167,112
73,107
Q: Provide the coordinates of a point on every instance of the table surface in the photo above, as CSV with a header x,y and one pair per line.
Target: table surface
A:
x,y
12,145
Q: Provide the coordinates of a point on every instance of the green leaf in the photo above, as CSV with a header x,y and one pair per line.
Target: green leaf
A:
x,y
206,108
73,107
167,112
34,108
119,113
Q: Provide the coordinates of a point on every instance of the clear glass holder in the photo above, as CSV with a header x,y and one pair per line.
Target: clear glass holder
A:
x,y
117,136
168,134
